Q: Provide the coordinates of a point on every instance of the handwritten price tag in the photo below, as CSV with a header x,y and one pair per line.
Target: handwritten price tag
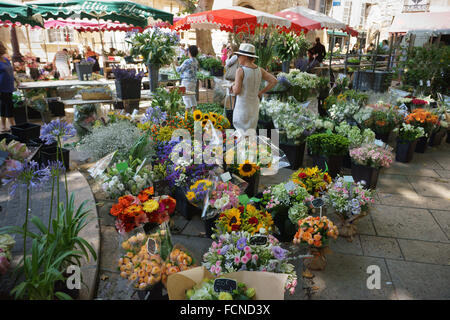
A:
x,y
225,177
379,143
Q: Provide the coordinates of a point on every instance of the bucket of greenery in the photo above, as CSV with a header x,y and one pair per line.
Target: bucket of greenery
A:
x,y
157,47
328,151
407,141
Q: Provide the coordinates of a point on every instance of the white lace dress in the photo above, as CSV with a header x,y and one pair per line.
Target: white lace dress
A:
x,y
246,111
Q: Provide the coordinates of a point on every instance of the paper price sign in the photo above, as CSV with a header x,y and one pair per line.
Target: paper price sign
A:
x,y
349,179
379,143
225,177
421,83
152,248
428,83
317,203
258,240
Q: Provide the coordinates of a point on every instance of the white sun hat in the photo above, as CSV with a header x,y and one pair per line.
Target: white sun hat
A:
x,y
247,49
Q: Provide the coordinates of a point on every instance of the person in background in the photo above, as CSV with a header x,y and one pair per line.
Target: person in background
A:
x,y
92,54
354,49
224,52
319,50
232,62
181,51
247,89
188,74
385,45
307,65
232,58
370,48
6,90
337,47
61,63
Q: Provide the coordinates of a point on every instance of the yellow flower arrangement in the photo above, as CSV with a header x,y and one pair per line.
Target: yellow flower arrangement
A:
x,y
165,133
198,115
251,220
150,206
247,169
230,220
313,180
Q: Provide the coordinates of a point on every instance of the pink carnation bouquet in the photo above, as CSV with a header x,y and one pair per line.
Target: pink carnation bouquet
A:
x,y
372,155
225,196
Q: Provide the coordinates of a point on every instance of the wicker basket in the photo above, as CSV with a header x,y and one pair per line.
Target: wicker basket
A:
x,y
87,95
67,93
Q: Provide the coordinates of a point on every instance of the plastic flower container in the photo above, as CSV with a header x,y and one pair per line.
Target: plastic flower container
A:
x,y
128,89
8,137
20,114
57,108
284,225
183,206
26,131
405,150
436,138
334,163
367,174
84,71
294,153
422,144
49,154
253,184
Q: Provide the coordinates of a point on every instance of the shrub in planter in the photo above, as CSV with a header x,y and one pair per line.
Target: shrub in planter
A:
x,y
367,162
407,141
328,150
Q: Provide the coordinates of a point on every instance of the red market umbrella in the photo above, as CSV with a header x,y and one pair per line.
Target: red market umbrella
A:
x,y
232,19
307,19
352,32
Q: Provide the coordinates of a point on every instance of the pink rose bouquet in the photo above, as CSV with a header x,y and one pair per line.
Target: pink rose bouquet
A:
x,y
372,155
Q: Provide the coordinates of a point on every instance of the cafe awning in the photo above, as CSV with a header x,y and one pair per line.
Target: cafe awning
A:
x,y
438,22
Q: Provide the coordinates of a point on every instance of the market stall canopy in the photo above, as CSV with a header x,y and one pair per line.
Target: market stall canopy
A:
x,y
307,19
421,21
89,25
231,19
114,10
15,13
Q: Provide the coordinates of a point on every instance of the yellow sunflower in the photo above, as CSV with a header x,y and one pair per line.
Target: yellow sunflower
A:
x,y
231,217
150,206
206,116
197,115
219,127
204,122
251,209
247,169
213,115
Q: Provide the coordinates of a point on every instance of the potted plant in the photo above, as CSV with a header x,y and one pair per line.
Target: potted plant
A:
x,y
316,232
367,160
356,137
157,48
351,202
289,46
323,90
353,61
441,127
425,119
328,151
286,203
407,141
84,69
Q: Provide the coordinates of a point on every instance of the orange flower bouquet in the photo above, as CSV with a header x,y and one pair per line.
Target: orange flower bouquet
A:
x,y
316,232
131,211
422,118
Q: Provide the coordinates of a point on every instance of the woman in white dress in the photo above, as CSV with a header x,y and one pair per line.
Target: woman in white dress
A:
x,y
246,87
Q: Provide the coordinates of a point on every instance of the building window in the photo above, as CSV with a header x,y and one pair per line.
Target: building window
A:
x,y
347,12
60,35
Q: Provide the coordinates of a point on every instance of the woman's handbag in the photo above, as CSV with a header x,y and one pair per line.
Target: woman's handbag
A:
x,y
231,71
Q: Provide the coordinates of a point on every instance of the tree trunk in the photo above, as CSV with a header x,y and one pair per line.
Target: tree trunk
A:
x,y
17,56
204,40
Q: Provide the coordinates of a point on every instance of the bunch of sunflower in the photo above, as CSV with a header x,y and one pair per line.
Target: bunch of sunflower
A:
x,y
247,218
313,180
218,121
245,170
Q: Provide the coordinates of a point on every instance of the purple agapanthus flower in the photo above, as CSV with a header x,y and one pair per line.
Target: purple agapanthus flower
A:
x,y
154,115
56,168
279,252
28,174
57,128
241,243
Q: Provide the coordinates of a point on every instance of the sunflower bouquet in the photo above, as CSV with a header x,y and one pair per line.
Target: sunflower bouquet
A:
x,y
245,218
131,211
314,180
218,121
315,231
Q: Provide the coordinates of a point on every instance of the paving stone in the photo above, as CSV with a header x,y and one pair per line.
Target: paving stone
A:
x,y
394,183
433,187
345,277
419,281
342,245
105,218
110,250
179,222
409,223
414,201
380,247
365,226
424,251
443,219
413,168
114,288
443,173
197,246
194,227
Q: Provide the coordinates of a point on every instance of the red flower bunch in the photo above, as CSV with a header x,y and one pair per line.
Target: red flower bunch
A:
x,y
131,211
419,102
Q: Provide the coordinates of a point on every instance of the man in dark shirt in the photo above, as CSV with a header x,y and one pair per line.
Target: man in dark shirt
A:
x,y
319,50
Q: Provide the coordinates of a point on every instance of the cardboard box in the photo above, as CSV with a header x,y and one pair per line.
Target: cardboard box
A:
x,y
268,285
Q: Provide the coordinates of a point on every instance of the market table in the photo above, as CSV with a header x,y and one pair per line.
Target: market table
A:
x,y
62,83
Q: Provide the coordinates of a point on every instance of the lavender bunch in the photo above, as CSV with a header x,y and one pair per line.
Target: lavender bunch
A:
x,y
127,74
